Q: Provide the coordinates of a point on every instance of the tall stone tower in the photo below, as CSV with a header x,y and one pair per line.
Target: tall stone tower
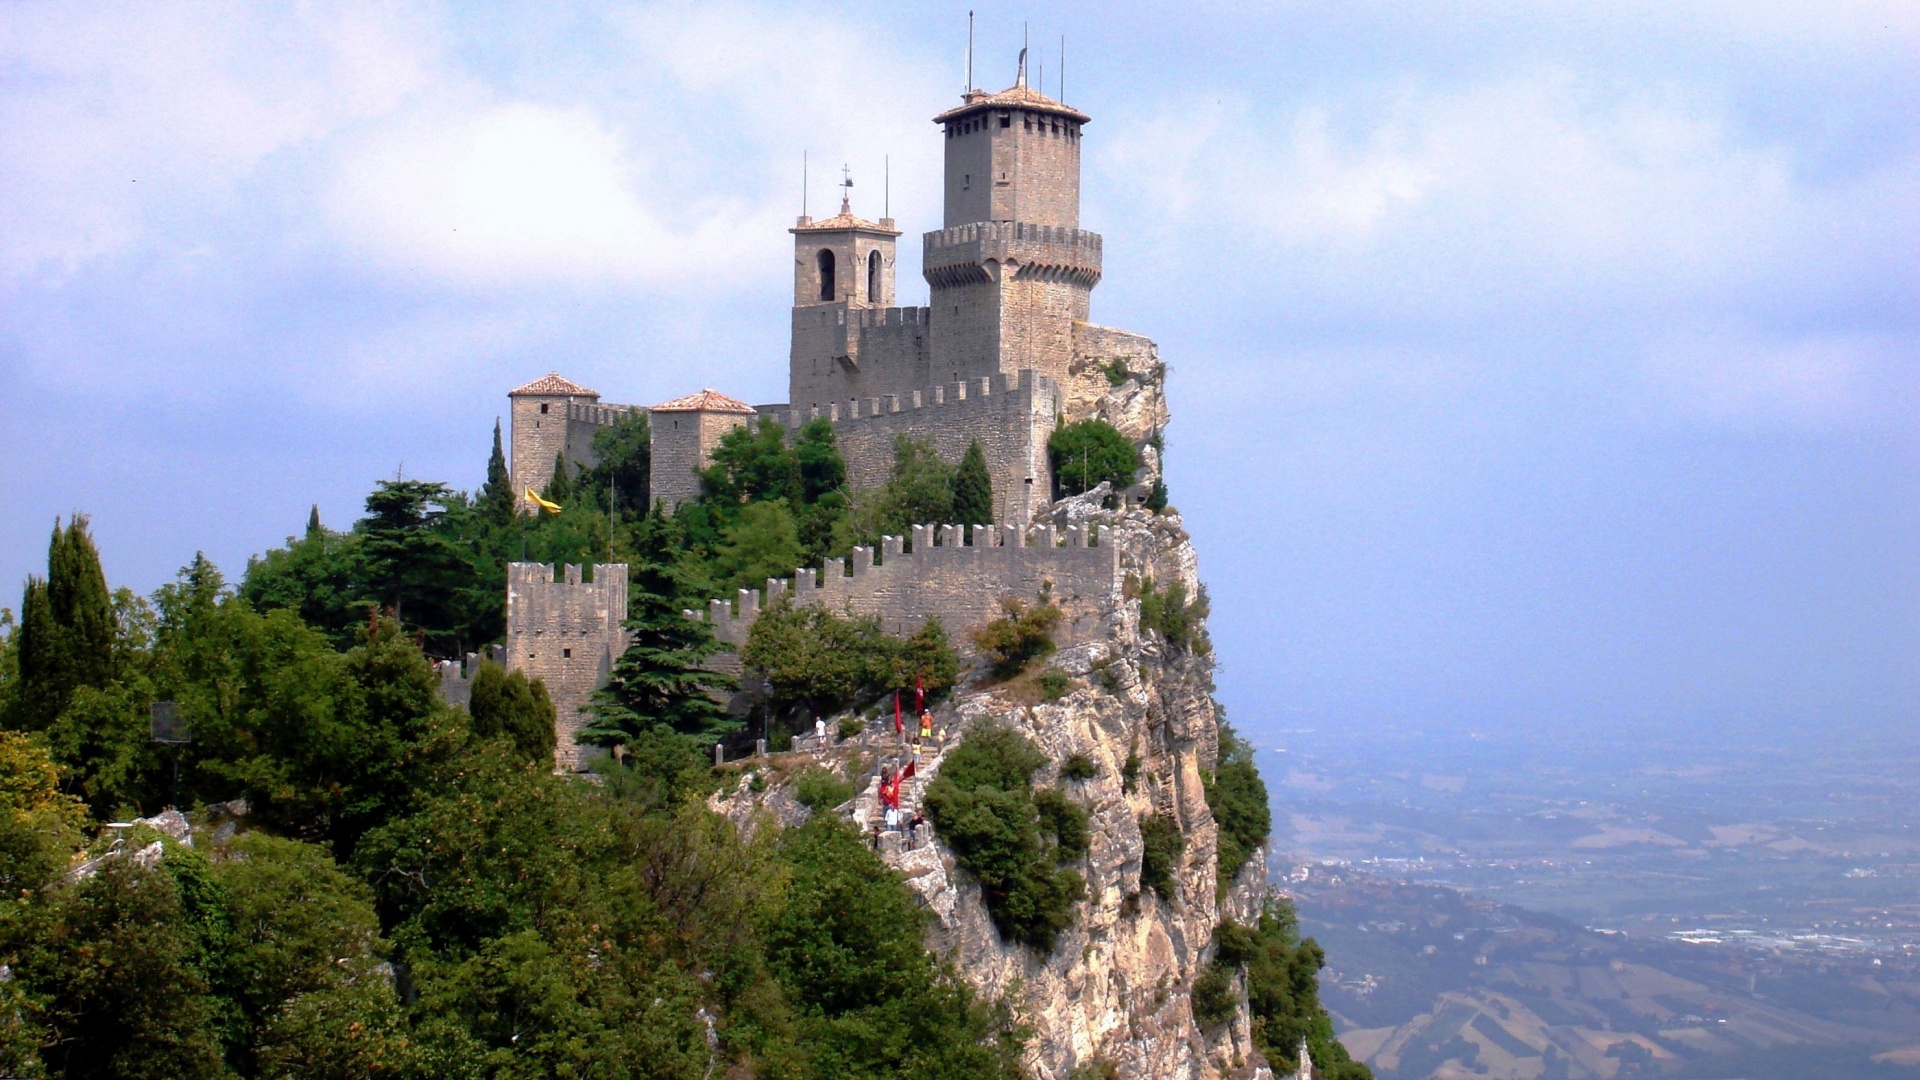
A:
x,y
842,277
1012,270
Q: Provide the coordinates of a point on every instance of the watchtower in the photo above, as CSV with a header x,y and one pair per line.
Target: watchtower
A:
x,y
539,417
842,272
1011,271
685,432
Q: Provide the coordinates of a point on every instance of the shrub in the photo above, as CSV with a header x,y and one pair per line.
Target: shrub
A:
x,y
1116,371
1053,684
1090,453
1238,798
851,726
1011,840
1130,771
1018,637
1063,818
1213,996
1161,846
1180,622
818,789
508,705
1079,767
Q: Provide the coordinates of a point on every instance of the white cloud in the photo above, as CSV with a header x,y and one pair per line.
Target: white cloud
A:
x,y
1543,188
118,119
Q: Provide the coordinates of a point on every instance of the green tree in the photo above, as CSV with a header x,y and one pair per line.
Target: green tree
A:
x,y
412,566
845,946
39,823
1283,995
973,488
1088,453
919,492
321,577
509,705
1238,798
1021,635
762,542
113,965
662,678
985,808
818,663
623,466
498,500
67,630
751,463
560,485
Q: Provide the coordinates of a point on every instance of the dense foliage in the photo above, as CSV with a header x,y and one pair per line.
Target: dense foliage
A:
x,y
1283,993
1238,799
1089,453
817,663
1014,840
411,891
383,886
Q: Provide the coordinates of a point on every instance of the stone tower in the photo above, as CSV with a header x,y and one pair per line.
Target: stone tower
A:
x,y
842,276
539,413
1012,271
685,432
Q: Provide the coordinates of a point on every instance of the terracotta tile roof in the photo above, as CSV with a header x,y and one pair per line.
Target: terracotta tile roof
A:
x,y
845,220
552,385
1018,96
705,401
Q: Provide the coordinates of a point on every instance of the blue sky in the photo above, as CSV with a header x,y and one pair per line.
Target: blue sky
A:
x,y
1533,364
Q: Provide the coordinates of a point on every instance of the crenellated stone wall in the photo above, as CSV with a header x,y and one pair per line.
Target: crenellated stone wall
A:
x,y
951,576
567,634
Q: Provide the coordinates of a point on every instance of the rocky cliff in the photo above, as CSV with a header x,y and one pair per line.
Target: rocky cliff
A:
x,y
1113,996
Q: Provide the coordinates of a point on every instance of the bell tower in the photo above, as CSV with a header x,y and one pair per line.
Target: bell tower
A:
x,y
842,266
1011,271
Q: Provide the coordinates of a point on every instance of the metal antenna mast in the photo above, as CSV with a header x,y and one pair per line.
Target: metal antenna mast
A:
x,y
969,52
1063,69
803,183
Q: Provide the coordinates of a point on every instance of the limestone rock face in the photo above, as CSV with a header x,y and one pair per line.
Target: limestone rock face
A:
x,y
1115,990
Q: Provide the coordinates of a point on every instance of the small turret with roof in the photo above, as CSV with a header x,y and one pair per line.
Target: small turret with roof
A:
x,y
539,412
685,432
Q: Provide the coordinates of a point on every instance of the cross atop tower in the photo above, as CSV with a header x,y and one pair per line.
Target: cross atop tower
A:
x,y
846,190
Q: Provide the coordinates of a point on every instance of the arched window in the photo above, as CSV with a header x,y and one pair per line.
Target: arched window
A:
x,y
873,277
826,274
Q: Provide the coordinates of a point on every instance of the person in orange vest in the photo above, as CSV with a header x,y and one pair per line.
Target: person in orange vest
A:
x,y
926,723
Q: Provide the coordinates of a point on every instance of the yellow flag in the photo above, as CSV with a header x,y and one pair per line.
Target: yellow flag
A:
x,y
549,507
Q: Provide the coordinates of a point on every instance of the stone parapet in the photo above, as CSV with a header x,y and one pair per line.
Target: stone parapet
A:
x,y
945,577
959,255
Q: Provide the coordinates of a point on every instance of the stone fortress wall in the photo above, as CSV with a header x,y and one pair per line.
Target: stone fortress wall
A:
x,y
947,578
842,352
567,634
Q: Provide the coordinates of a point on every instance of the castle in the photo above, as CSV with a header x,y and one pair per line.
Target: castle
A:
x,y
1002,354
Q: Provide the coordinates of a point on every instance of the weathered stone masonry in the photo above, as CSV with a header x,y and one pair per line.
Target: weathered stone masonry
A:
x,y
960,584
567,634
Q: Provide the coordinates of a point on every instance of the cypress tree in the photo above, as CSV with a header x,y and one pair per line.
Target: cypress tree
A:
x,y
37,649
973,488
496,496
503,703
314,529
560,488
81,605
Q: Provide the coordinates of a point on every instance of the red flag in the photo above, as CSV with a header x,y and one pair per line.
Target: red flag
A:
x,y
904,773
919,695
899,725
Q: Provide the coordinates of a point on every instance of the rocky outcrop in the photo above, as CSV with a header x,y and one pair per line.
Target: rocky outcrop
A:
x,y
1115,990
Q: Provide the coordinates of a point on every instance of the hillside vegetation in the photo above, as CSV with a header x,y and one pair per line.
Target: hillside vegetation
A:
x,y
375,884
